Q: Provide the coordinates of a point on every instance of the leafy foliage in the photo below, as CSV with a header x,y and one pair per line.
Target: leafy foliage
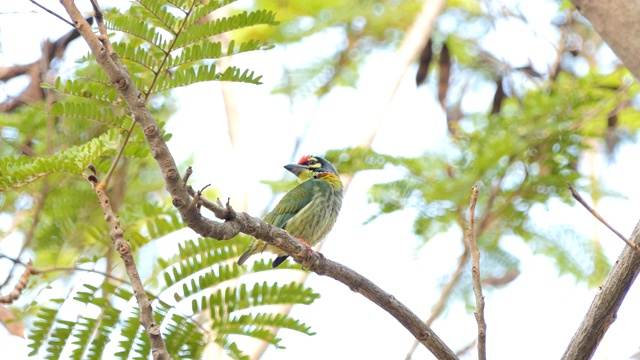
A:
x,y
521,151
23,170
521,154
164,44
195,303
536,142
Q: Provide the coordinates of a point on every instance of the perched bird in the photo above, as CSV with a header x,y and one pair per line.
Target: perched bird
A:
x,y
308,211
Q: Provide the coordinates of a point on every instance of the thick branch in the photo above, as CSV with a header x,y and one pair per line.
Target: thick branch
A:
x,y
239,222
617,22
137,104
603,310
33,92
388,302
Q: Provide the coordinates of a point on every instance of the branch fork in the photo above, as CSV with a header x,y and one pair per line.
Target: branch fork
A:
x,y
241,222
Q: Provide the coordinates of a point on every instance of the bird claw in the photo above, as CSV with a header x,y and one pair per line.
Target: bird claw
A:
x,y
309,250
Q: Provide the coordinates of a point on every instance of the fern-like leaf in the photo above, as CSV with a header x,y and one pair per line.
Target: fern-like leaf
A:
x,y
240,325
211,50
88,111
40,328
192,75
140,29
129,332
106,325
58,339
97,91
132,52
225,301
158,14
18,172
186,340
150,221
204,9
197,33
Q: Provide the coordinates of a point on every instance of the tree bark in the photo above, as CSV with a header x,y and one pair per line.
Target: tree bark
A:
x,y
604,308
617,23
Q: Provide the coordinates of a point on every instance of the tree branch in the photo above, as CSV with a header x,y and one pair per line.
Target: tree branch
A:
x,y
387,302
51,12
603,310
124,249
620,34
321,266
576,195
17,290
475,274
236,222
35,70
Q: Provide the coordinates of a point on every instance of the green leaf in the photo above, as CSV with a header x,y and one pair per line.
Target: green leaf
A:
x,y
21,171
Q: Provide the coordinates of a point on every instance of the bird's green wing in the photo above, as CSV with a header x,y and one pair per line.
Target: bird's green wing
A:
x,y
292,202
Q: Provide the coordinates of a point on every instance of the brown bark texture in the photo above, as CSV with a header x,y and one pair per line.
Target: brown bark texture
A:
x,y
616,21
604,308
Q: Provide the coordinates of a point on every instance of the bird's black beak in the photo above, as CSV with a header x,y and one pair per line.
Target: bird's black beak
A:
x,y
296,169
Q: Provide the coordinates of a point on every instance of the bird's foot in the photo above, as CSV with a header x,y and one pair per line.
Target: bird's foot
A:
x,y
309,251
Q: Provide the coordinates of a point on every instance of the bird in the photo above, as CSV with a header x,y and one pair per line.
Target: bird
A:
x,y
308,211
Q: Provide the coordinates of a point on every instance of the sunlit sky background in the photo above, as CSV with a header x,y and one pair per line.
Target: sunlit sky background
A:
x,y
532,318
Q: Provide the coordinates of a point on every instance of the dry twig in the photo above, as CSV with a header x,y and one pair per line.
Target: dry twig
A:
x,y
51,12
475,273
123,247
593,212
17,290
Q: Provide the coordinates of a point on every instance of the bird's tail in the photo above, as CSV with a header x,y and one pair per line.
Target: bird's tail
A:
x,y
254,248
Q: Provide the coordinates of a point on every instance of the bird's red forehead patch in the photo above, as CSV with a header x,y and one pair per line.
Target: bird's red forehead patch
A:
x,y
304,159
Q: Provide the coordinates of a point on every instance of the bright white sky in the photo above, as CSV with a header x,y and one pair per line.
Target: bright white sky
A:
x,y
533,318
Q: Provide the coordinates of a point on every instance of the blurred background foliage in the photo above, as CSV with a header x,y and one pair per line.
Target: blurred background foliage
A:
x,y
521,146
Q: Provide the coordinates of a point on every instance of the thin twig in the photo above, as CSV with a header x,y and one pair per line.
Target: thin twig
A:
x,y
438,307
104,38
467,348
52,13
105,180
475,273
579,198
40,271
17,290
123,247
